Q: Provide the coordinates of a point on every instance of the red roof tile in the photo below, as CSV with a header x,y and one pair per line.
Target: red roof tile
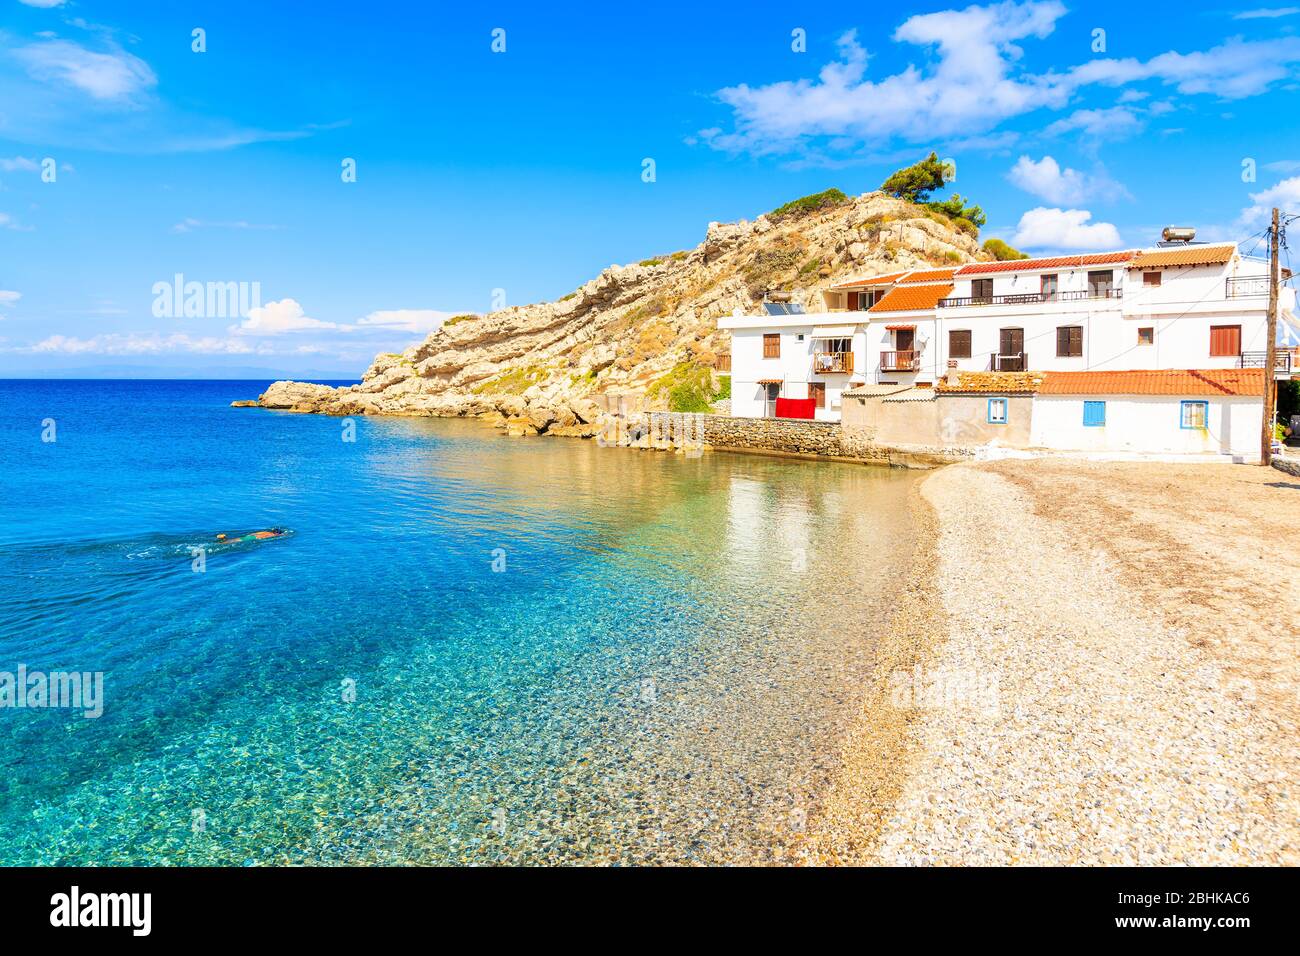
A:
x,y
1055,262
1190,256
886,279
1209,381
927,275
907,298
1002,383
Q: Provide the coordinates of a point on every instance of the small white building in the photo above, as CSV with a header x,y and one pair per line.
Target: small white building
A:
x,y
1195,411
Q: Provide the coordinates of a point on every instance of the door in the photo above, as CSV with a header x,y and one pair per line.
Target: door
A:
x,y
1011,347
904,339
773,390
817,392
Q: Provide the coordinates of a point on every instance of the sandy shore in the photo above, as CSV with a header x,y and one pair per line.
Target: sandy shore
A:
x,y
1097,665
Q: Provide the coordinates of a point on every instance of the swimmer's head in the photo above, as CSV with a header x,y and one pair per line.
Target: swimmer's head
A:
x,y
221,537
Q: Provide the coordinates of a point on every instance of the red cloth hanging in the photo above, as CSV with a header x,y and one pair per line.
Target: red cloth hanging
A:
x,y
796,408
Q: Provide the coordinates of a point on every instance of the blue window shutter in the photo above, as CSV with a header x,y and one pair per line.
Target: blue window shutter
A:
x,y
1094,414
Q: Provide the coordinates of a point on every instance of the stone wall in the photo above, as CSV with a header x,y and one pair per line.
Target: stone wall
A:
x,y
793,436
1289,465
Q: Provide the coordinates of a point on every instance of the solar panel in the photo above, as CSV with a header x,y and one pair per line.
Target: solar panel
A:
x,y
784,308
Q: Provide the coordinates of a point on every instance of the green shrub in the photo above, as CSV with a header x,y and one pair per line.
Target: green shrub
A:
x,y
455,319
806,204
679,255
724,388
688,387
650,262
1001,251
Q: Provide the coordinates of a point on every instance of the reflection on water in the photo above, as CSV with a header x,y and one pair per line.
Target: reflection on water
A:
x,y
660,667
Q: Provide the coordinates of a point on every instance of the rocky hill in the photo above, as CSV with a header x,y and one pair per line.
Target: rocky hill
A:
x,y
640,336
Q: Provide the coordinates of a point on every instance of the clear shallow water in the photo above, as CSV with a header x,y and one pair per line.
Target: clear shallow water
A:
x,y
662,672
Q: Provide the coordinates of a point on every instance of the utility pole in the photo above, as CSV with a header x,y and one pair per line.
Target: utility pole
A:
x,y
1270,355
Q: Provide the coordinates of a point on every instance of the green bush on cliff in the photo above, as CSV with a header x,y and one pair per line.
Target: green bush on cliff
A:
x,y
806,204
688,388
455,319
1002,251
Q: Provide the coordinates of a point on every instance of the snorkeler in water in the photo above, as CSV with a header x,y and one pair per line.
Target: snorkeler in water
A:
x,y
252,536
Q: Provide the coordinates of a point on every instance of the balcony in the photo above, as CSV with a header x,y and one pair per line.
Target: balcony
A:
x,y
1282,361
1016,362
907,361
1031,298
1247,286
832,363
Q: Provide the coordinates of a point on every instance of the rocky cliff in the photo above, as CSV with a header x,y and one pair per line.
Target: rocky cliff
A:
x,y
639,336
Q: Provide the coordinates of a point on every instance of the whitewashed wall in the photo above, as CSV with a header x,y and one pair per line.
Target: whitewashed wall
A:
x,y
1141,423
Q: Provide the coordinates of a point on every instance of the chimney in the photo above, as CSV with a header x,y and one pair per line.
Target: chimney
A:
x,y
951,379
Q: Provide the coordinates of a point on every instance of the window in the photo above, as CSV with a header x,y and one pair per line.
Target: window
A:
x,y
1147,335
1094,414
981,289
1069,341
1151,278
771,345
1225,340
861,301
959,343
1100,283
997,411
1049,285
817,391
1195,414
799,337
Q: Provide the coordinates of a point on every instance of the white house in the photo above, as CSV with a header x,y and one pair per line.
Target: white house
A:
x,y
1197,411
1173,306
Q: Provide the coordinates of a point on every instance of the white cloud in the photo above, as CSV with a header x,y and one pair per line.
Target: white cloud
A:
x,y
1284,194
44,4
9,297
278,318
115,75
132,343
1266,13
19,164
1115,122
189,225
9,222
1064,187
1052,229
974,84
407,320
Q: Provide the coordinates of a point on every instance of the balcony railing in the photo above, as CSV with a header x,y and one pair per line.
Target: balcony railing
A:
x,y
1245,286
1016,362
1282,360
905,361
1029,298
832,363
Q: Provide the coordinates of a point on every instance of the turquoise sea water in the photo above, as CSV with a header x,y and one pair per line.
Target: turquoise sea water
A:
x,y
470,648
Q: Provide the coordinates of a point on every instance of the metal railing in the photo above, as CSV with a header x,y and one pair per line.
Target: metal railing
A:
x,y
1028,298
901,361
832,363
1016,362
1246,286
1282,360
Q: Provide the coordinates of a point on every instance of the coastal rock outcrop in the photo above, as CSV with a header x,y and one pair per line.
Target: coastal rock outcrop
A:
x,y
626,339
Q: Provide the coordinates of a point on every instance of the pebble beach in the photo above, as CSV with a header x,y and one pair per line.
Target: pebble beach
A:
x,y
1109,676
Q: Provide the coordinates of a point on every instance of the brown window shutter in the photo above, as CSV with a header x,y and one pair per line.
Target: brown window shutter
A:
x,y
959,343
818,390
771,345
1225,340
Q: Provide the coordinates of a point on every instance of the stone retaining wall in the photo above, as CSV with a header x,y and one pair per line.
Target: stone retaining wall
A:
x,y
792,436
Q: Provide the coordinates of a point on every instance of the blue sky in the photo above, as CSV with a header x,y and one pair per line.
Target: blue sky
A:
x,y
521,171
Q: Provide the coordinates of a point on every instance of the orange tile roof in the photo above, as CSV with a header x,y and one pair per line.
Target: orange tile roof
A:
x,y
870,280
1190,256
1207,381
1054,262
1006,383
927,275
907,298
